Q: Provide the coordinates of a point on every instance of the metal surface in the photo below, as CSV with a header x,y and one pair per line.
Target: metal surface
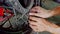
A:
x,y
19,22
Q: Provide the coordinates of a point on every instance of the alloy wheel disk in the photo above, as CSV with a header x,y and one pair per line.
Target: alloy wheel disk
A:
x,y
18,22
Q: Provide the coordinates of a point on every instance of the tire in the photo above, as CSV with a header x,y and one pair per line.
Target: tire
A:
x,y
18,24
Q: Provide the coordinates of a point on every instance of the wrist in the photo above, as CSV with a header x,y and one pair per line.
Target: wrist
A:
x,y
52,13
56,11
51,30
56,31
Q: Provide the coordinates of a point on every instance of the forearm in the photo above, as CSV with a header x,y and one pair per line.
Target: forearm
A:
x,y
54,31
53,28
56,11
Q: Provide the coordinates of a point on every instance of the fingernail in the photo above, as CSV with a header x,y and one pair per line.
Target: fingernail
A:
x,y
30,14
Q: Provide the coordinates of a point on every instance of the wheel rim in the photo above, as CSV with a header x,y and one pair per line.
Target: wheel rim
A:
x,y
18,14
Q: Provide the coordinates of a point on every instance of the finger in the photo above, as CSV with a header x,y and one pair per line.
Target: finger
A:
x,y
33,11
34,28
33,14
33,18
32,23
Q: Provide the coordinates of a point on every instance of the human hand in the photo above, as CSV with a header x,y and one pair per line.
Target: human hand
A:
x,y
40,25
38,11
57,31
37,24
